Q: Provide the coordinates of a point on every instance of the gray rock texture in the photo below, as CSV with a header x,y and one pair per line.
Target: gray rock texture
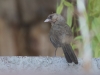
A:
x,y
45,66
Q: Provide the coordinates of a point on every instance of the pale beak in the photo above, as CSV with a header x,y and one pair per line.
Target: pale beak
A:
x,y
47,20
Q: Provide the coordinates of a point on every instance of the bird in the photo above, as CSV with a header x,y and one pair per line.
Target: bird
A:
x,y
61,36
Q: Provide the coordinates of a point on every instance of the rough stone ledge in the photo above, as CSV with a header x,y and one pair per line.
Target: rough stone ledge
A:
x,y
45,66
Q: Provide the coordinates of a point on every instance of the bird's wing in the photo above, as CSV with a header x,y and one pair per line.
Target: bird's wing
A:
x,y
55,40
67,29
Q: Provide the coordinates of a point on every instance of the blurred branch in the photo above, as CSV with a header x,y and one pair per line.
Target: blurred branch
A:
x,y
83,22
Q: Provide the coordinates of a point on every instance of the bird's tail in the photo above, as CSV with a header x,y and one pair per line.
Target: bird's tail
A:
x,y
69,53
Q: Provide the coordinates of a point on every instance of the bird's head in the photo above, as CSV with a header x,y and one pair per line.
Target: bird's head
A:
x,y
53,18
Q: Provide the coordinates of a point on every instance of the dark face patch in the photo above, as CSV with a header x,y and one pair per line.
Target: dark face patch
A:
x,y
50,16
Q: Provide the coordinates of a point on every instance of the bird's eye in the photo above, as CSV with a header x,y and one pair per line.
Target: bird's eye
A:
x,y
50,17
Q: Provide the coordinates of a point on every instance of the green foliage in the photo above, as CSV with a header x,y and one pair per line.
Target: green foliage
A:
x,y
93,14
94,21
69,11
60,7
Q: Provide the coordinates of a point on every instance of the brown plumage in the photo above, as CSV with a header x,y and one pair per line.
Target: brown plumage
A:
x,y
61,36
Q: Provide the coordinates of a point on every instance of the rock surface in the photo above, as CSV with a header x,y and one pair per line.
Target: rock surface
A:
x,y
45,66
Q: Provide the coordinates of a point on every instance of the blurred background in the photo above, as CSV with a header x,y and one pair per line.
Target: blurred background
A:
x,y
24,33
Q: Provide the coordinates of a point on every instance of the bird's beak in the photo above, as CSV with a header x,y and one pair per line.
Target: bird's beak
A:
x,y
47,20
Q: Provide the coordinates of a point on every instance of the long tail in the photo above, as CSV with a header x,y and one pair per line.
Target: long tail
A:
x,y
69,54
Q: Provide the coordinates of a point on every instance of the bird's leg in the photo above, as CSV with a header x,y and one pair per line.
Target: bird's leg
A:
x,y
55,51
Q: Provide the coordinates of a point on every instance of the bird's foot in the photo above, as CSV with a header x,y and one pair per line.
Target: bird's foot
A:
x,y
71,64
